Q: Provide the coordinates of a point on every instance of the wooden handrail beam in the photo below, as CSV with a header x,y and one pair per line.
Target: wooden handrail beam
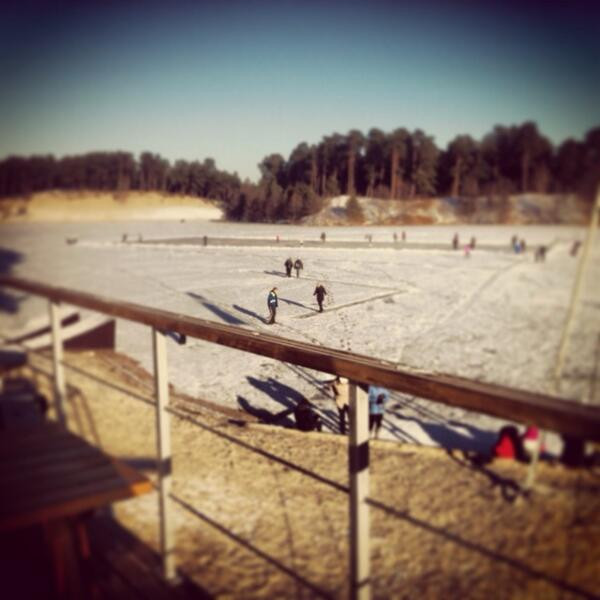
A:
x,y
547,412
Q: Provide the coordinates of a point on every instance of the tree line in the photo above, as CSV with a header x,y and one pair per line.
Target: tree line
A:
x,y
115,172
392,165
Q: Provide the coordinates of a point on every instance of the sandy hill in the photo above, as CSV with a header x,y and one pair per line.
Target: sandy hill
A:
x,y
63,206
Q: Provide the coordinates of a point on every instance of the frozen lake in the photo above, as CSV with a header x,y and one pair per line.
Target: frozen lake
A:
x,y
496,316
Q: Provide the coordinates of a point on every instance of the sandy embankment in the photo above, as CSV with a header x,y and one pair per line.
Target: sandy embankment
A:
x,y
443,528
76,206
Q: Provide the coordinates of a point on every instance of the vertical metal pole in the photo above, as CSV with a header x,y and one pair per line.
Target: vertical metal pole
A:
x,y
566,332
579,278
358,455
57,366
163,440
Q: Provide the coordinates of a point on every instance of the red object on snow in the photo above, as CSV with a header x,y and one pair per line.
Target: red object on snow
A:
x,y
504,447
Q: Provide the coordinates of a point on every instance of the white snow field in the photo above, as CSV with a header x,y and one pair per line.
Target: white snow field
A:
x,y
496,316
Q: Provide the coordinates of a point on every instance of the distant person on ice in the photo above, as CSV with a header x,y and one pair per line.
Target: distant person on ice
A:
x,y
320,293
455,241
288,267
272,304
298,266
540,254
378,398
306,418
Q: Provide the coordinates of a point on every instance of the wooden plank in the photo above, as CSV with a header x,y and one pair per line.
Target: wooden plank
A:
x,y
74,481
90,496
36,446
92,332
41,326
38,493
59,470
546,412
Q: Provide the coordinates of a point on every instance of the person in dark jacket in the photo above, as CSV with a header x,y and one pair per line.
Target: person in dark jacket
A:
x,y
298,265
306,418
288,267
272,304
320,293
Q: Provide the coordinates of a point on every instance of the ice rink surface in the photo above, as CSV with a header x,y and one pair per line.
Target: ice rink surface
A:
x,y
496,316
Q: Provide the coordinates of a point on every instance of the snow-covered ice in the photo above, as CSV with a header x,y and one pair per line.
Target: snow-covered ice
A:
x,y
495,317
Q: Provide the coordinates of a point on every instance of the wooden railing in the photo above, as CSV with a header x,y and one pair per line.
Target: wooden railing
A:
x,y
561,415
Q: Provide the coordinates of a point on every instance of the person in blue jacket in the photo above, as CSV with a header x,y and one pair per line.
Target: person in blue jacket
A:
x,y
272,304
378,397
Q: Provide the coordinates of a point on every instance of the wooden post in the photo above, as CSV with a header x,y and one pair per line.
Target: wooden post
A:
x,y
57,366
358,455
163,440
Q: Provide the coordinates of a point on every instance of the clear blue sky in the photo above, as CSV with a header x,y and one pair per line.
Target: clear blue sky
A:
x,y
237,80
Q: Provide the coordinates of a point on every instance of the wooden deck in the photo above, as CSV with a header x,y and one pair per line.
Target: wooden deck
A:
x,y
120,566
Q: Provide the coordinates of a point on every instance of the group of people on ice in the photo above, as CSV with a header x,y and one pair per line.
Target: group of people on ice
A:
x,y
297,264
273,301
308,420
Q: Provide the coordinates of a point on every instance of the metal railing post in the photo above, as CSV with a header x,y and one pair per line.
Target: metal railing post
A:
x,y
358,455
57,366
163,441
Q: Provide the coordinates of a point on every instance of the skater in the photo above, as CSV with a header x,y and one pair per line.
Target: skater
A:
x,y
341,390
473,242
467,251
575,247
404,236
513,242
523,245
272,304
298,266
455,242
288,267
306,418
395,237
378,397
323,237
320,293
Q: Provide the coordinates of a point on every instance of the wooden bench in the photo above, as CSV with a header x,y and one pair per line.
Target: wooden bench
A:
x,y
52,478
